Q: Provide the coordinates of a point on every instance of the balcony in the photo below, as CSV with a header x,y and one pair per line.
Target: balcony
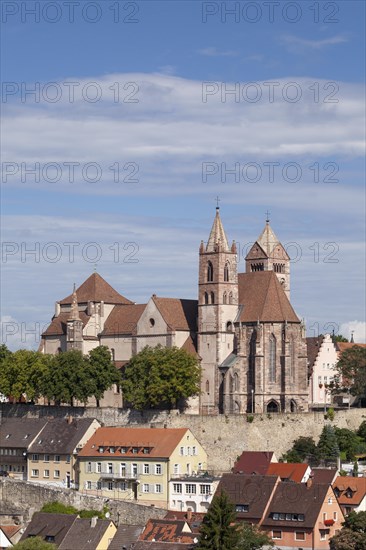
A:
x,y
107,475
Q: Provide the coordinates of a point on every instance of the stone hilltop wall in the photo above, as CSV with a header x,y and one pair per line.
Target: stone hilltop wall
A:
x,y
29,497
224,437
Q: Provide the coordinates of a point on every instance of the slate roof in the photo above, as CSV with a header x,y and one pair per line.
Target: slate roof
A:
x,y
126,535
179,314
58,436
161,441
252,490
82,536
355,487
294,472
253,462
296,498
323,475
55,525
96,289
167,530
58,325
19,432
263,299
123,319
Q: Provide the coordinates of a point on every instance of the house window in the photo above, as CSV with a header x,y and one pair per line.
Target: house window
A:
x,y
35,473
134,470
123,450
123,468
99,467
277,534
181,452
176,469
158,488
146,468
205,489
88,485
158,469
110,468
323,534
194,451
335,516
177,488
101,449
146,450
99,485
123,486
56,474
242,508
209,272
57,458
190,489
46,473
135,450
68,459
35,458
188,451
299,535
111,450
46,458
230,298
330,500
110,485
89,467
145,488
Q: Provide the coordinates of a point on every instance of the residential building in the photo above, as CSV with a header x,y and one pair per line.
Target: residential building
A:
x,y
168,531
254,462
322,359
9,535
138,463
249,340
52,456
299,473
16,436
93,534
302,515
50,527
125,537
192,492
351,493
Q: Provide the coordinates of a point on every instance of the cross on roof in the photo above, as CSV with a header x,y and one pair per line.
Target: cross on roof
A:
x,y
267,216
217,202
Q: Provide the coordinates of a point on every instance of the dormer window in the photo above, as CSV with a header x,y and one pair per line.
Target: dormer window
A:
x,y
135,450
242,508
123,450
111,450
146,450
101,449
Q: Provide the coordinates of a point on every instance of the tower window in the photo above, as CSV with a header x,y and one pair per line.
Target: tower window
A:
x,y
257,267
230,298
224,298
226,272
236,382
206,298
229,326
212,298
272,358
209,272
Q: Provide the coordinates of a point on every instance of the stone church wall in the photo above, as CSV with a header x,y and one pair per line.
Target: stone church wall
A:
x,y
224,437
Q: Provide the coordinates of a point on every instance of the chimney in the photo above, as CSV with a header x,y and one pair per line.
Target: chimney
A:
x,y
69,419
93,521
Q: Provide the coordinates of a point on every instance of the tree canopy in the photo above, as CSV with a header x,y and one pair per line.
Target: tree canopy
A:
x,y
34,543
160,376
351,372
218,530
352,535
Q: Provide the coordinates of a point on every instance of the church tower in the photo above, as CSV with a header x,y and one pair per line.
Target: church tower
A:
x,y
268,254
217,310
74,337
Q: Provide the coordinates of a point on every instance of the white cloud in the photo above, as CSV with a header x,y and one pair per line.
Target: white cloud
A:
x,y
357,327
313,44
214,52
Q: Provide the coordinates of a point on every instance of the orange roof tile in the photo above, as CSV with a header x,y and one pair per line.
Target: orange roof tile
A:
x,y
161,441
295,472
263,298
96,289
353,486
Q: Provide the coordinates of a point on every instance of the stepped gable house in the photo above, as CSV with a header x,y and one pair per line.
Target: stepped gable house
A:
x,y
243,328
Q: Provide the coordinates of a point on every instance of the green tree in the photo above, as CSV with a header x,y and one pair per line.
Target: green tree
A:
x,y
361,432
351,372
252,538
56,507
160,376
102,371
327,447
348,442
34,543
352,535
218,530
4,353
23,373
339,338
303,448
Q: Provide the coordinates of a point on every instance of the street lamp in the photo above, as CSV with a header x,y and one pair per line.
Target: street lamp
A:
x,y
252,390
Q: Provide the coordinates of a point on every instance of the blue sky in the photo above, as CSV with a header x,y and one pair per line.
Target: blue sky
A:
x,y
149,95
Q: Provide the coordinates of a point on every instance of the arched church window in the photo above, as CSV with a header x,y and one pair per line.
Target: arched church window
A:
x,y
226,272
229,326
272,358
272,406
206,298
236,382
212,298
207,386
230,298
209,272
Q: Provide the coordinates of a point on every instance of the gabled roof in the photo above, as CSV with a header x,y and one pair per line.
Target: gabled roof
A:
x,y
10,530
267,240
167,530
19,432
55,525
58,325
60,436
252,490
296,498
217,235
126,536
82,536
96,289
344,346
294,472
313,344
323,475
350,490
190,346
253,462
178,314
160,441
263,299
123,319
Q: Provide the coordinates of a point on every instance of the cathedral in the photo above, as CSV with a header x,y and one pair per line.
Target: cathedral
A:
x,y
243,330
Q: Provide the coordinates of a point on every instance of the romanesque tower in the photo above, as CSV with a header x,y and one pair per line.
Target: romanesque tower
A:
x,y
217,309
268,254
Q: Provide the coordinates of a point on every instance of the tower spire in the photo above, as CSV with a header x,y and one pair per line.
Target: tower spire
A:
x,y
74,313
217,239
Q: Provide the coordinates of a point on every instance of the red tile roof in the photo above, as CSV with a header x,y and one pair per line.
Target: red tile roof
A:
x,y
161,441
313,344
350,491
194,519
177,313
96,289
167,530
263,299
10,530
295,472
253,462
344,346
123,319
